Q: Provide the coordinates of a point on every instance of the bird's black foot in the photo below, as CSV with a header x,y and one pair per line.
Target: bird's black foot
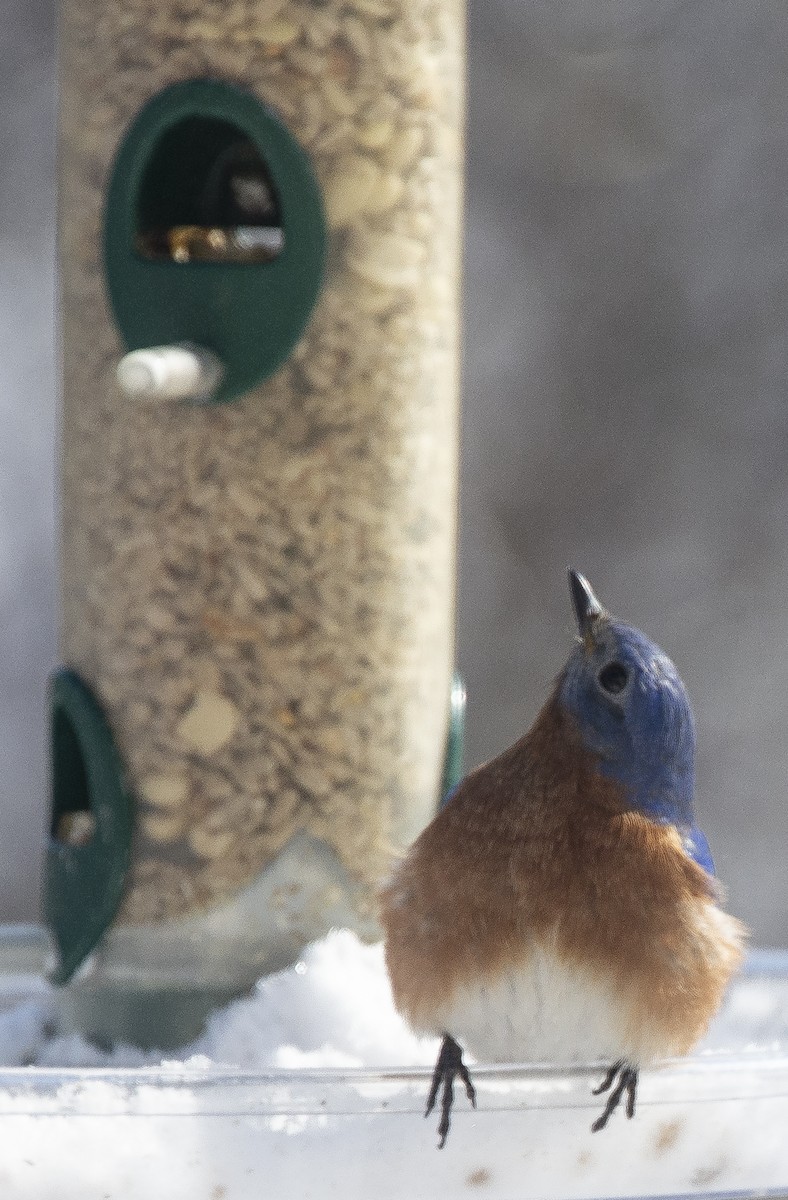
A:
x,y
447,1068
627,1082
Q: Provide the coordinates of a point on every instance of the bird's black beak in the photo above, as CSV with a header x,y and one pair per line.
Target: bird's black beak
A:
x,y
587,608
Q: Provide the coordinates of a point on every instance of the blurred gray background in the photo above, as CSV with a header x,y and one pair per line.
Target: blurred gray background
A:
x,y
626,352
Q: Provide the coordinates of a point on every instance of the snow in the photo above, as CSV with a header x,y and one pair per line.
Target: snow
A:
x,y
332,1009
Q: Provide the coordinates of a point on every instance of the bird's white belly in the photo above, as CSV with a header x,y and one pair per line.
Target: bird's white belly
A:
x,y
544,1010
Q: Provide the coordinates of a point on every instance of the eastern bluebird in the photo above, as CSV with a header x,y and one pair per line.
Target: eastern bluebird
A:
x,y
562,905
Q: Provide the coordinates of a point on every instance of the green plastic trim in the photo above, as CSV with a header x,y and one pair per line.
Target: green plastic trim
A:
x,y
250,314
455,740
83,884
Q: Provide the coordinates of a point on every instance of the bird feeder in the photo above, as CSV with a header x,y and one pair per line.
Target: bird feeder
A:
x,y
259,235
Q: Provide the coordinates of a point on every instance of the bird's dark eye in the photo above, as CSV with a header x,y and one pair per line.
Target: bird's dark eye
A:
x,y
613,678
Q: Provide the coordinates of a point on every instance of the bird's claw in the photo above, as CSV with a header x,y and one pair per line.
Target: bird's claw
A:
x,y
447,1068
627,1082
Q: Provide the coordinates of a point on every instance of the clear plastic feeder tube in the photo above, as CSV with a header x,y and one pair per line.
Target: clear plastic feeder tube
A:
x,y
259,593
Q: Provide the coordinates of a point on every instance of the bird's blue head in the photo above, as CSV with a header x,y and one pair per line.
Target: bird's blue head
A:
x,y
632,711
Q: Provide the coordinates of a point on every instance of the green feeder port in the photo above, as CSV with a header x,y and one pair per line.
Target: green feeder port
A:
x,y
455,739
214,238
91,825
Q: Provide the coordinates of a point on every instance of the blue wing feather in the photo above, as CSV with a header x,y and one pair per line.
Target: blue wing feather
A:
x,y
697,848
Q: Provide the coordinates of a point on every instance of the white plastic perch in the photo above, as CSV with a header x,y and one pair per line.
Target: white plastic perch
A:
x,y
182,371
